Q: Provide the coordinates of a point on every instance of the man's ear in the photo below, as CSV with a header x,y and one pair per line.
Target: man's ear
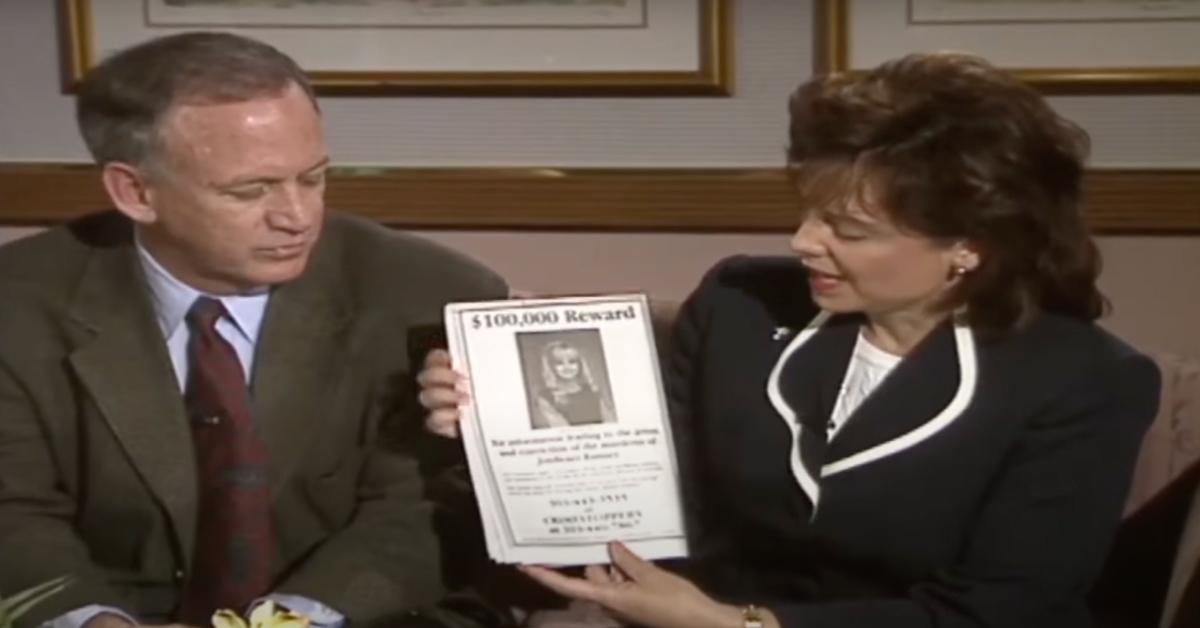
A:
x,y
129,190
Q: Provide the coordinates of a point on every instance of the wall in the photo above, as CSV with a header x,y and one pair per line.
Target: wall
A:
x,y
1155,298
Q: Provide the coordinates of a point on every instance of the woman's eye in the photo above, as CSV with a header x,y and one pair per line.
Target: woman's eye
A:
x,y
850,236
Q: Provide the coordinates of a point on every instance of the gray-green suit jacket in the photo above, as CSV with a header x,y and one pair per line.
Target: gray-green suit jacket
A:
x,y
97,475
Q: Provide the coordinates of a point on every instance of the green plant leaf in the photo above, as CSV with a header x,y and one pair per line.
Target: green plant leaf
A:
x,y
20,603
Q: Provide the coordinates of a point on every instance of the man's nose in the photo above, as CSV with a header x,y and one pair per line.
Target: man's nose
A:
x,y
295,210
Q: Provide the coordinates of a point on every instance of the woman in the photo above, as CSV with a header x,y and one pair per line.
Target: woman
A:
x,y
568,394
915,421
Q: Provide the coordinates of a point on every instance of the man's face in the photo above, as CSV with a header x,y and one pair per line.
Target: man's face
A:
x,y
239,202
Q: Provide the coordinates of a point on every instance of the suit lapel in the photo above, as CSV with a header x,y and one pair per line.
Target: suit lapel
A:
x,y
300,358
925,393
121,359
811,376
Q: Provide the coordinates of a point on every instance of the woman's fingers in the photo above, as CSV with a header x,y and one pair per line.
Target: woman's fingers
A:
x,y
597,574
574,588
629,563
638,592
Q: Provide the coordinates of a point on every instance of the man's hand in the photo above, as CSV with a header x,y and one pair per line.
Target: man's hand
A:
x,y
442,390
108,620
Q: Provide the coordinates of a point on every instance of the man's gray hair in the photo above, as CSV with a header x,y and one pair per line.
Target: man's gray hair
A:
x,y
123,100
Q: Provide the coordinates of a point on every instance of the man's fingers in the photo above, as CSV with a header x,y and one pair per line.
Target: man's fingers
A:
x,y
438,372
446,430
439,377
437,358
443,422
108,620
439,398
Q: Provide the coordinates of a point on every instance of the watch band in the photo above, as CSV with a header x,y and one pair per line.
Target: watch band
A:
x,y
752,617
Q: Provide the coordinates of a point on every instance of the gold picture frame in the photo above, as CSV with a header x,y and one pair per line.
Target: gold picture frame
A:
x,y
836,43
631,55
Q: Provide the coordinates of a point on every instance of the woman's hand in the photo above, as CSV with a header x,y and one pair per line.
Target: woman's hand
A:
x,y
637,591
442,390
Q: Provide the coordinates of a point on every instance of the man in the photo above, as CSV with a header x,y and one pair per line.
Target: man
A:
x,y
192,386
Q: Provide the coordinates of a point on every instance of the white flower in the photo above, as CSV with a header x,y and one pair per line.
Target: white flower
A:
x,y
265,615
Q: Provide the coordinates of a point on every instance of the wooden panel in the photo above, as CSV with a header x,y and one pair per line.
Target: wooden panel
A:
x,y
1119,201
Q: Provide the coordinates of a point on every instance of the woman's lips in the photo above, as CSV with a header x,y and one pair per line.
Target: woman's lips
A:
x,y
823,282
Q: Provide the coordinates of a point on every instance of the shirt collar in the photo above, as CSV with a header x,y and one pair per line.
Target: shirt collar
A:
x,y
172,298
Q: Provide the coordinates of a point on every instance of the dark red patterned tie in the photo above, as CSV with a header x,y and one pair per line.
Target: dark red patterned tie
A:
x,y
232,555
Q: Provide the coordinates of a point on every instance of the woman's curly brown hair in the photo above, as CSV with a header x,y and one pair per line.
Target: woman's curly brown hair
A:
x,y
954,149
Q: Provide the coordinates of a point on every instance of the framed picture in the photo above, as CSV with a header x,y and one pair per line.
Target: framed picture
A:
x,y
1064,46
493,47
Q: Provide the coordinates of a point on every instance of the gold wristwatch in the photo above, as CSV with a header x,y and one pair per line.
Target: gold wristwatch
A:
x,y
752,617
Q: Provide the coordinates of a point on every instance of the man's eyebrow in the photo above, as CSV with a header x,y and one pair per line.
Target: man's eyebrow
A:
x,y
253,180
317,166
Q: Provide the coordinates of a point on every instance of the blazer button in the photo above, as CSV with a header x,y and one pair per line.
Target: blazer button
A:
x,y
179,575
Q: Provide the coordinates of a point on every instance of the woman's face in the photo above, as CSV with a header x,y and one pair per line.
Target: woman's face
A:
x,y
861,261
565,362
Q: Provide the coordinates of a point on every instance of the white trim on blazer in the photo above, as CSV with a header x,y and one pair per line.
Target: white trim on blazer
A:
x,y
808,484
964,342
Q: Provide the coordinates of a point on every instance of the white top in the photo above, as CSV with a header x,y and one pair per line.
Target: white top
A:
x,y
868,366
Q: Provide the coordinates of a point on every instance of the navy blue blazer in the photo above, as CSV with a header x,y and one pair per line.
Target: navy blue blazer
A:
x,y
979,485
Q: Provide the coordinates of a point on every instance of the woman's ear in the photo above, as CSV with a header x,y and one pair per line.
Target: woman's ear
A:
x,y
964,257
129,191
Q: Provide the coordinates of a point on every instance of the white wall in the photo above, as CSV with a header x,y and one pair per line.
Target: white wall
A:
x,y
773,42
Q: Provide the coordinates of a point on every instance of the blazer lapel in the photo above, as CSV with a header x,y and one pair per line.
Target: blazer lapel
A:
x,y
300,358
812,375
826,359
926,392
121,359
803,386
